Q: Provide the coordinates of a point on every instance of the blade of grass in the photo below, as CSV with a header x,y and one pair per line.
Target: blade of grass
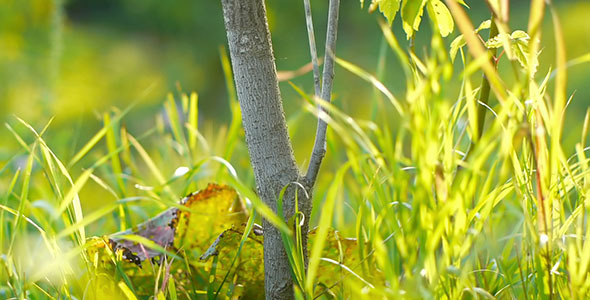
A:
x,y
72,194
116,165
245,235
323,227
126,291
295,256
99,135
174,122
193,120
151,165
234,105
88,219
8,194
258,205
24,197
75,200
372,80
112,148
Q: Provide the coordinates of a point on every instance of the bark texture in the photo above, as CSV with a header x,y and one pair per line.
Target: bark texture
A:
x,y
264,122
324,92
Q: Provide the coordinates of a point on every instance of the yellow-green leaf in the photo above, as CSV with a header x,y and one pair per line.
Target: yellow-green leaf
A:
x,y
457,43
128,293
484,25
412,11
519,35
441,16
160,296
389,9
212,211
495,42
248,269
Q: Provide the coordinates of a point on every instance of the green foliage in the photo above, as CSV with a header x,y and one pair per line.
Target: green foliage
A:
x,y
441,17
389,8
412,11
518,42
459,41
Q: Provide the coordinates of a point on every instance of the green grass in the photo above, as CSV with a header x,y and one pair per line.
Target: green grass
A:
x,y
435,213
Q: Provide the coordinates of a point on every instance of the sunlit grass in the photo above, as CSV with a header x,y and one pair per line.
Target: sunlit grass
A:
x,y
435,212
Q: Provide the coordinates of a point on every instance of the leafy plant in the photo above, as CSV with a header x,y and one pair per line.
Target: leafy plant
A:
x,y
412,11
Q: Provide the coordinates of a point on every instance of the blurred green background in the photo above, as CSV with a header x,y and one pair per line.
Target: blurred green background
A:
x,y
75,60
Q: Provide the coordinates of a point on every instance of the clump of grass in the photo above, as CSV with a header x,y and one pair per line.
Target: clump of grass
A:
x,y
44,228
442,212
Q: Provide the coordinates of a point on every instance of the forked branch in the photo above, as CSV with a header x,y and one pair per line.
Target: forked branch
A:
x,y
319,147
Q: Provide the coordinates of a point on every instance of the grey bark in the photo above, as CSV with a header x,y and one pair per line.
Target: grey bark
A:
x,y
324,93
312,48
319,147
264,122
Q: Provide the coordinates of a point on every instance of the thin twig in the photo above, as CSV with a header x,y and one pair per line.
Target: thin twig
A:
x,y
312,48
319,147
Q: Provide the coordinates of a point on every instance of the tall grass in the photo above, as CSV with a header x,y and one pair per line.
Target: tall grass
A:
x,y
443,213
437,210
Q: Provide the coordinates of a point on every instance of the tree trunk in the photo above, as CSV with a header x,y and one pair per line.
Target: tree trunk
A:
x,y
263,118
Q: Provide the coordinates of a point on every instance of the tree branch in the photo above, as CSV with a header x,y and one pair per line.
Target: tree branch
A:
x,y
319,147
312,48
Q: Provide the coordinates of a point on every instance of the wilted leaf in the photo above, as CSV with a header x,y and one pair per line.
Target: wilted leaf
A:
x,y
208,213
159,229
248,268
110,264
339,267
228,239
190,228
211,223
104,287
202,216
